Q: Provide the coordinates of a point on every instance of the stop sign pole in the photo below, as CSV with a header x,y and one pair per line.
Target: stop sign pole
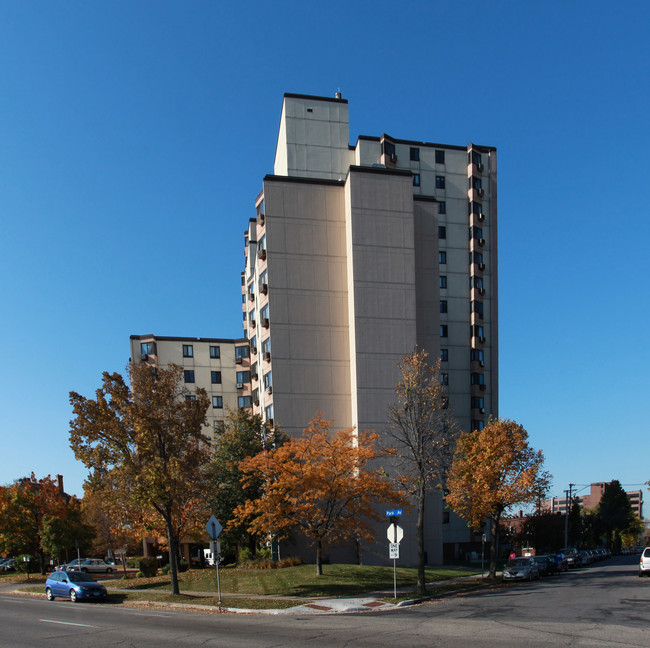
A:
x,y
214,528
395,534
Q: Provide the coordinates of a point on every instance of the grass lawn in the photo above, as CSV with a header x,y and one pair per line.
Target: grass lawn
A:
x,y
300,581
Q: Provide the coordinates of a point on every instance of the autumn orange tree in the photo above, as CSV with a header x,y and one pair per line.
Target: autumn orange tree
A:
x,y
148,440
320,484
422,435
493,469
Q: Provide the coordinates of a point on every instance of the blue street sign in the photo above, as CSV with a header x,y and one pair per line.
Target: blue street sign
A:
x,y
394,513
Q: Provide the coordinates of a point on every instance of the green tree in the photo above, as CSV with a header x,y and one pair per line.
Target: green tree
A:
x,y
62,533
544,531
422,435
242,435
494,469
615,514
148,440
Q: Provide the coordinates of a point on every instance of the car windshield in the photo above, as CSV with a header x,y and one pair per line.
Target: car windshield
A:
x,y
79,577
520,562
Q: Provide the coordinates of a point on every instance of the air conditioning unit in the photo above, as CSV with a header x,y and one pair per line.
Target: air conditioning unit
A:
x,y
480,192
261,217
481,217
481,242
253,323
481,291
479,167
481,340
261,253
264,288
254,376
481,266
238,360
270,422
265,322
269,389
257,403
482,410
267,356
482,363
251,296
144,356
254,350
240,385
393,158
481,387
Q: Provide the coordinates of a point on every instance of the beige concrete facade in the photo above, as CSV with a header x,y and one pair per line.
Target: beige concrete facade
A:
x,y
356,254
220,366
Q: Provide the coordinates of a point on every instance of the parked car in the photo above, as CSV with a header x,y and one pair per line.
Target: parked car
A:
x,y
88,565
520,569
572,557
73,585
644,562
9,564
546,565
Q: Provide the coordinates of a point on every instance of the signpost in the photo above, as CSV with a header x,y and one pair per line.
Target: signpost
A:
x,y
395,533
214,529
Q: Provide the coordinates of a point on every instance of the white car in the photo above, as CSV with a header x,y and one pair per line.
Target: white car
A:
x,y
644,562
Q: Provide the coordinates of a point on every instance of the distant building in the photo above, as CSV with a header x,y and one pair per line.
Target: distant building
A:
x,y
591,500
220,366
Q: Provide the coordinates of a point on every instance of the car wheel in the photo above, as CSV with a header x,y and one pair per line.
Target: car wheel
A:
x,y
109,571
73,596
48,593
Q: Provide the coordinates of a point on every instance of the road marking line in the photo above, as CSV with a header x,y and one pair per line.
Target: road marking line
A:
x,y
82,625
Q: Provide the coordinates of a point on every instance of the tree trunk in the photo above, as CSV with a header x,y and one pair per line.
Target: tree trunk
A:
x,y
319,558
419,535
173,555
494,532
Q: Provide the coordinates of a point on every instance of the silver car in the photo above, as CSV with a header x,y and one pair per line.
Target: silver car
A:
x,y
89,566
521,569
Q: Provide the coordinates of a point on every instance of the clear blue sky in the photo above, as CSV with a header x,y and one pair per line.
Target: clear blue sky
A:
x,y
134,137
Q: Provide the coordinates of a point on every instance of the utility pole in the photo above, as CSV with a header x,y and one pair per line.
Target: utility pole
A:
x,y
566,514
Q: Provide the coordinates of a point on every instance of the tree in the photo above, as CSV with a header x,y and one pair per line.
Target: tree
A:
x,y
319,483
148,441
422,432
63,532
615,514
30,509
493,469
544,531
243,435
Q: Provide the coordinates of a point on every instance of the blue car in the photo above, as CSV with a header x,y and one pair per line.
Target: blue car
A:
x,y
76,586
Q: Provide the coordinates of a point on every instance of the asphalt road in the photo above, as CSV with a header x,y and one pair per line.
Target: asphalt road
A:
x,y
602,605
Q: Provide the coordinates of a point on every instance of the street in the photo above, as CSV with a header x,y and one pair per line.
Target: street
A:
x,y
605,604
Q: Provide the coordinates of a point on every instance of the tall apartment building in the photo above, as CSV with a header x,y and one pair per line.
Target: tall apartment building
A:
x,y
220,366
355,255
591,500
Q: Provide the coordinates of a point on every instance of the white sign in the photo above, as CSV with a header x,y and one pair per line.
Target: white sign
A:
x,y
395,533
213,527
393,550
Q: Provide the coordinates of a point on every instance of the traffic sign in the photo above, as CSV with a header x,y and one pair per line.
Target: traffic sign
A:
x,y
395,533
394,513
393,550
213,527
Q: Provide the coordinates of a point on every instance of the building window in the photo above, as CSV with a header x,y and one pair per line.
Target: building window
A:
x,y
244,402
148,348
440,157
478,402
190,397
268,380
444,355
477,307
444,330
188,376
443,305
477,379
242,352
264,312
476,158
268,412
416,179
442,232
243,376
476,183
475,232
440,182
478,425
477,355
415,154
445,517
476,282
389,149
188,351
215,377
443,281
442,207
444,379
476,331
266,345
215,352
254,344
217,402
262,243
442,257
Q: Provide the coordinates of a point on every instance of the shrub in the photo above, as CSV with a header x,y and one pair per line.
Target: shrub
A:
x,y
183,566
164,570
148,566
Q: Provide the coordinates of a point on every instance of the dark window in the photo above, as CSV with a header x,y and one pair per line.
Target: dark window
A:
x,y
475,232
476,183
442,257
444,355
443,281
477,379
478,402
442,207
243,376
215,376
415,154
478,425
242,352
416,179
188,351
444,378
389,148
445,517
444,330
477,354
442,232
477,307
148,348
440,182
215,352
217,402
188,376
443,306
190,397
440,157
